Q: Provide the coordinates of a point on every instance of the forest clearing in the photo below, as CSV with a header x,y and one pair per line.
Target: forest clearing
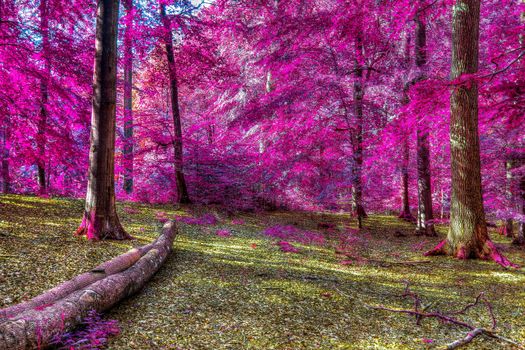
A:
x,y
243,292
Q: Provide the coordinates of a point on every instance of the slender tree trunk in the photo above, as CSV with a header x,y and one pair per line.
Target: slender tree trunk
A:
x,y
507,229
44,97
405,209
520,237
425,216
4,153
128,99
357,188
467,236
405,199
182,191
100,217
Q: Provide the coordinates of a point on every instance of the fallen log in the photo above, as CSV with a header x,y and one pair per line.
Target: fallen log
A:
x,y
36,323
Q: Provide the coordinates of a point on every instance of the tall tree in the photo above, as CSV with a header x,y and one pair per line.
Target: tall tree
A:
x,y
128,99
357,133
468,235
182,191
424,192
405,161
4,155
100,215
44,96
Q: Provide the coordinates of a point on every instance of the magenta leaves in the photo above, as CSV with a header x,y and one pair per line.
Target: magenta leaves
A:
x,y
292,233
206,219
92,334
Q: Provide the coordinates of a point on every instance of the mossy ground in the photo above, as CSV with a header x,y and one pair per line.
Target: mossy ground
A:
x,y
242,292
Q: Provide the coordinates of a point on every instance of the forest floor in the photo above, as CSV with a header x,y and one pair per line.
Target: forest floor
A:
x,y
245,292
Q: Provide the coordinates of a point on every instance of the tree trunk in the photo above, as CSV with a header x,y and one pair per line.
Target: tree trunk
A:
x,y
182,191
467,236
4,153
425,216
507,229
405,209
44,97
38,322
520,237
100,216
357,138
128,99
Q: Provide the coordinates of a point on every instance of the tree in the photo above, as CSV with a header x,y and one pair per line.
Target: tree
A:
x,y
357,134
468,235
182,191
128,99
100,215
44,97
424,191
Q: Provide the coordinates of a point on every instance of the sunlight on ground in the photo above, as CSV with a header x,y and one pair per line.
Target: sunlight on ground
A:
x,y
243,292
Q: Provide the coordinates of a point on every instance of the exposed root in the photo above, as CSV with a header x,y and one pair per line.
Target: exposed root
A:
x,y
407,216
440,249
499,258
490,252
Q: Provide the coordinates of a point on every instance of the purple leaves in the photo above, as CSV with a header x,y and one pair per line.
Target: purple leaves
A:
x,y
94,333
286,247
292,233
206,219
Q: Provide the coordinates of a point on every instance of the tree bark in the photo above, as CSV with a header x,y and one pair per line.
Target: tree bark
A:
x,y
44,97
128,99
100,216
520,237
425,215
507,229
357,137
467,236
182,191
4,153
37,323
405,209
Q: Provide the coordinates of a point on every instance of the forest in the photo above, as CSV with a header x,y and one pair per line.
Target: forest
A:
x,y
262,174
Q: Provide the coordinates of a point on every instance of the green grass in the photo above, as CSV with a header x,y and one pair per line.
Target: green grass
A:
x,y
221,293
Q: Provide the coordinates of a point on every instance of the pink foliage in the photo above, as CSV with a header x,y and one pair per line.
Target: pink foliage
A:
x,y
206,219
287,247
292,233
93,333
223,233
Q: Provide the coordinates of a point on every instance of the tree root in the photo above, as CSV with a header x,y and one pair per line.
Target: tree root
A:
x,y
489,252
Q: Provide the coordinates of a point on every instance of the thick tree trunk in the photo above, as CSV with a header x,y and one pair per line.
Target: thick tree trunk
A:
x,y
425,216
100,217
128,99
357,137
467,236
37,323
44,97
182,191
